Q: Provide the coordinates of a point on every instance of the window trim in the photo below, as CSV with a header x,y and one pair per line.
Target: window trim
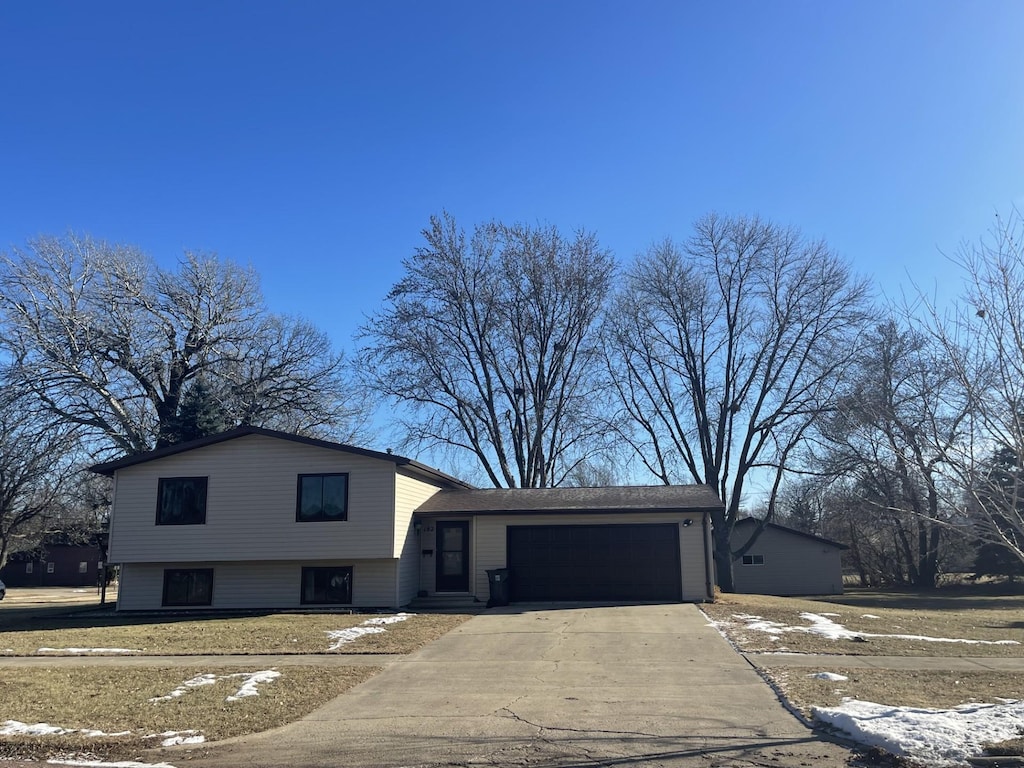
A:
x,y
167,575
321,517
161,483
753,560
312,568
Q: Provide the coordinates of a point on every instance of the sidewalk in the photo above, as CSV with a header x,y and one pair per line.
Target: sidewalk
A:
x,y
940,663
250,660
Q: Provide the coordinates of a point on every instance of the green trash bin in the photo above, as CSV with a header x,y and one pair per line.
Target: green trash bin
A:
x,y
497,582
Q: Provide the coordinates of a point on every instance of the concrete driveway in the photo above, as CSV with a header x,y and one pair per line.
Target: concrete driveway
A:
x,y
551,686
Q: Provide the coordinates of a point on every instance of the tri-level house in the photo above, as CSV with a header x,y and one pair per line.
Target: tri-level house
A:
x,y
254,519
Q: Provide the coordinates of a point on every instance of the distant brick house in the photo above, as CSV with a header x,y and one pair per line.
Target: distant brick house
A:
x,y
54,565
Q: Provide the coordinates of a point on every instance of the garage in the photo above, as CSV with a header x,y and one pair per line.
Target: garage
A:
x,y
613,562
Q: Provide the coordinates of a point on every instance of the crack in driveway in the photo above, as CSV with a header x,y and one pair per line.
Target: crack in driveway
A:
x,y
521,719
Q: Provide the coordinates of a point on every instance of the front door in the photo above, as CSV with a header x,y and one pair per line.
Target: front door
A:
x,y
453,557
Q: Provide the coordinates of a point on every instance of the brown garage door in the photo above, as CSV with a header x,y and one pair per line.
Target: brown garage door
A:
x,y
594,562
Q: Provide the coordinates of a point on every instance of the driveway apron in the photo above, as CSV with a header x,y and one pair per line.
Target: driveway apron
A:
x,y
551,685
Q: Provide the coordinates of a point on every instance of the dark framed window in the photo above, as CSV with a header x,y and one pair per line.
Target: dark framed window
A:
x,y
188,586
753,559
331,584
322,497
181,501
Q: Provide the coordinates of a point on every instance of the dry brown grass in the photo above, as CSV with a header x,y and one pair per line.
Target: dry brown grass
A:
x,y
989,618
113,699
273,633
917,688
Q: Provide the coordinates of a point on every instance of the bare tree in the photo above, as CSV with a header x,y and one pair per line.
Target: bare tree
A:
x,y
983,338
726,351
490,343
35,467
894,430
110,342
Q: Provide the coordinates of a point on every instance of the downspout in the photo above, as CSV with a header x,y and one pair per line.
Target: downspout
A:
x,y
709,565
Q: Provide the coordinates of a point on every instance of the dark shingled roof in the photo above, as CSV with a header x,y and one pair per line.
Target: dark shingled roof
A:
x,y
649,498
748,521
110,467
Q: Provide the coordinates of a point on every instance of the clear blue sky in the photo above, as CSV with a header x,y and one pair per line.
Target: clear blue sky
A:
x,y
314,139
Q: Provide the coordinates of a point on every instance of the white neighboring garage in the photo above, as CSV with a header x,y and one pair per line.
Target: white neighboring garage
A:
x,y
629,543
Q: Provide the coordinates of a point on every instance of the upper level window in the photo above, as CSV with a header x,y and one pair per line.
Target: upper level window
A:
x,y
181,501
322,497
753,559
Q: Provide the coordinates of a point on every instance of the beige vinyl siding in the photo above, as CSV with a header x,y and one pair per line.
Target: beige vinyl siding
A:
x,y
793,565
410,493
251,498
490,551
257,585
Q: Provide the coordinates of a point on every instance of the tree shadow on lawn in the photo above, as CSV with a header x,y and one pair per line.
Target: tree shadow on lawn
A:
x,y
944,599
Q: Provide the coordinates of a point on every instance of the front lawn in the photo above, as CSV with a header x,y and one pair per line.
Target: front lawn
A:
x,y
875,624
108,710
118,702
266,634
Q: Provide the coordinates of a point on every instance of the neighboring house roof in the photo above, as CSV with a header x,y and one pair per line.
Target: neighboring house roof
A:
x,y
648,498
110,467
749,521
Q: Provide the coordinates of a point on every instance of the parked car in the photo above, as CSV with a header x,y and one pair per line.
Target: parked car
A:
x,y
3,589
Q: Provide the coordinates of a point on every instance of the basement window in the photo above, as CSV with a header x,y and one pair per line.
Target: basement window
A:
x,y
188,586
326,585
753,559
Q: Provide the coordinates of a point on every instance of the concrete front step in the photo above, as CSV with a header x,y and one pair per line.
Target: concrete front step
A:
x,y
452,603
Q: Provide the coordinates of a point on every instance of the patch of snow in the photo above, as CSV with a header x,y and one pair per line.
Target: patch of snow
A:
x,y
830,614
176,738
829,676
15,728
250,681
374,626
87,650
823,626
383,620
937,737
343,636
196,682
869,616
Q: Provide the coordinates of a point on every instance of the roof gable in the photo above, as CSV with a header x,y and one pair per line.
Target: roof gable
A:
x,y
748,521
110,467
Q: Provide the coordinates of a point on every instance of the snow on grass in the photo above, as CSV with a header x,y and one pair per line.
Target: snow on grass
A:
x,y
15,728
250,681
88,650
820,624
374,626
831,676
174,738
869,616
936,737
